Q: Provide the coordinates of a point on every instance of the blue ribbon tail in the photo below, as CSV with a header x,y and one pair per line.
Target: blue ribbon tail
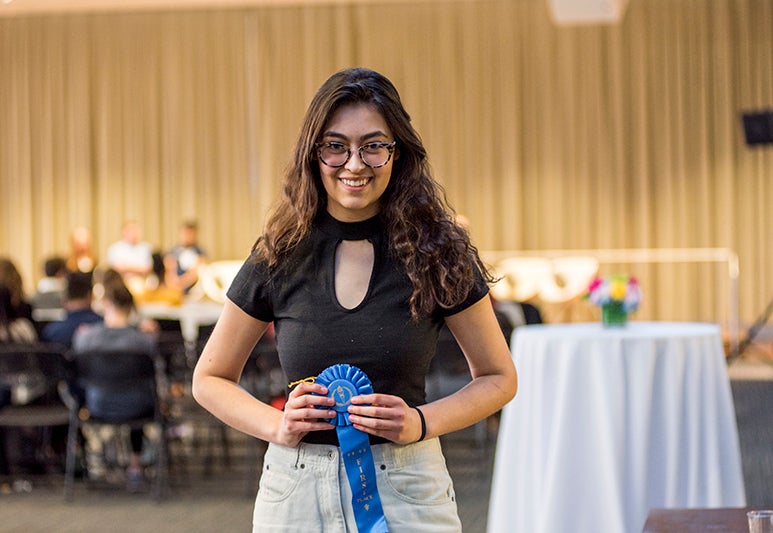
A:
x,y
358,460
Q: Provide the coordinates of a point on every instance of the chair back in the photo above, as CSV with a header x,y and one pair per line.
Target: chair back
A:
x,y
117,385
172,349
31,373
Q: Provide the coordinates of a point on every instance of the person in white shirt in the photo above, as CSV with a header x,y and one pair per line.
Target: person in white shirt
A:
x,y
131,257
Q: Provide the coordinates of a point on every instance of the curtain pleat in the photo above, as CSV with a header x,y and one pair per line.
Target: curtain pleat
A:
x,y
546,137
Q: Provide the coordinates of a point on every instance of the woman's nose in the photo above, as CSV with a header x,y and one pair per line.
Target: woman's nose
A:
x,y
355,162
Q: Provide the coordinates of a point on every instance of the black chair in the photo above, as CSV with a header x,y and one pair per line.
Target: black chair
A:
x,y
173,351
30,376
205,330
121,389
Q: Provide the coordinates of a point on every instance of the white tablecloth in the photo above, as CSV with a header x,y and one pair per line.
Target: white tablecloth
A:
x,y
192,315
610,422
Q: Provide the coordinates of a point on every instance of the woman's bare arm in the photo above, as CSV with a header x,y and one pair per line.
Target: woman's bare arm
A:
x,y
216,385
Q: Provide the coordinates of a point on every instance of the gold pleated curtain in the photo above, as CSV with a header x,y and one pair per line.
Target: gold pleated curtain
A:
x,y
546,137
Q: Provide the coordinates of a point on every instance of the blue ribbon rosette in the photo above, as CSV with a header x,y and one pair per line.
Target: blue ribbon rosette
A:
x,y
344,382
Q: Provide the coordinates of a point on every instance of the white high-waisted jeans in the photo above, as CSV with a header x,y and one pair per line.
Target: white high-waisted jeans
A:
x,y
305,489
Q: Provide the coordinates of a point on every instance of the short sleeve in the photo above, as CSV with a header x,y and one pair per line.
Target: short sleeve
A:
x,y
249,291
478,291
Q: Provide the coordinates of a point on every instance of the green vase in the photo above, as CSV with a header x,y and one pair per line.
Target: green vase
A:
x,y
613,314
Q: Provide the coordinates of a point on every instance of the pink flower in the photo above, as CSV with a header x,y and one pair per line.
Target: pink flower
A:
x,y
595,284
622,289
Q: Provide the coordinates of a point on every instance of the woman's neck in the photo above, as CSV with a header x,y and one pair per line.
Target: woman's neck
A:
x,y
116,319
350,231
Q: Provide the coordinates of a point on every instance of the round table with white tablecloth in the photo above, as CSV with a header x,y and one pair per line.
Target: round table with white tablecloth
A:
x,y
610,422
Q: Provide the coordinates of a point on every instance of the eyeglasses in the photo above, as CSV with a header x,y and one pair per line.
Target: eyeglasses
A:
x,y
374,154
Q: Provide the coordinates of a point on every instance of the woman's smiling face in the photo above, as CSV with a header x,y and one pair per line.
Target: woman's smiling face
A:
x,y
354,189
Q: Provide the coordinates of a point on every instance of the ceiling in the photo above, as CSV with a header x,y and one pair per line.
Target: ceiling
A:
x,y
9,8
565,12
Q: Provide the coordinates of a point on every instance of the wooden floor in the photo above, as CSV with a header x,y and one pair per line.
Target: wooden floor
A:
x,y
218,497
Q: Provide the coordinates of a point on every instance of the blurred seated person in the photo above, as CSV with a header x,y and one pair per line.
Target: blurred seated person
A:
x,y
131,257
104,279
10,277
182,263
117,333
14,328
77,304
81,258
158,291
50,288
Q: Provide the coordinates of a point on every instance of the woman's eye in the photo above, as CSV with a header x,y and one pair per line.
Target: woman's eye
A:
x,y
372,147
336,147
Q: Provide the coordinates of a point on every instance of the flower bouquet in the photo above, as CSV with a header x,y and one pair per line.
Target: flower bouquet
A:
x,y
617,296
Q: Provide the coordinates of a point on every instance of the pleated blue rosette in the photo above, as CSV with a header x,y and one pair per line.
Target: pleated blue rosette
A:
x,y
343,382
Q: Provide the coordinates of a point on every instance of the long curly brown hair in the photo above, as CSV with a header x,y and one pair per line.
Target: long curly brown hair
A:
x,y
436,253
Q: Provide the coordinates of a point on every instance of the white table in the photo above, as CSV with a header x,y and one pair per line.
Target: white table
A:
x,y
611,422
191,314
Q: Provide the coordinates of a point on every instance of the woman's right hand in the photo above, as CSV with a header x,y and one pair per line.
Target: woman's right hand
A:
x,y
305,412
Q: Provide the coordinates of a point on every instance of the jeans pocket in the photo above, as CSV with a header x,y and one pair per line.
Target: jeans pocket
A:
x,y
277,482
428,486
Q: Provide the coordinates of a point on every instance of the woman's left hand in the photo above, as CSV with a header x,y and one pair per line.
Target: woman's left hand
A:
x,y
386,416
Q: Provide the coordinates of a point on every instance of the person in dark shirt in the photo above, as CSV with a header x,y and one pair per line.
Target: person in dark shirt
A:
x,y
360,265
184,261
77,304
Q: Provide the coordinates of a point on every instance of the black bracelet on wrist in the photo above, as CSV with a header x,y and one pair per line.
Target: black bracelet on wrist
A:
x,y
423,425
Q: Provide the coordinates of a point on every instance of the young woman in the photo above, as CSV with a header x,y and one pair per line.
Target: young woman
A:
x,y
360,264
